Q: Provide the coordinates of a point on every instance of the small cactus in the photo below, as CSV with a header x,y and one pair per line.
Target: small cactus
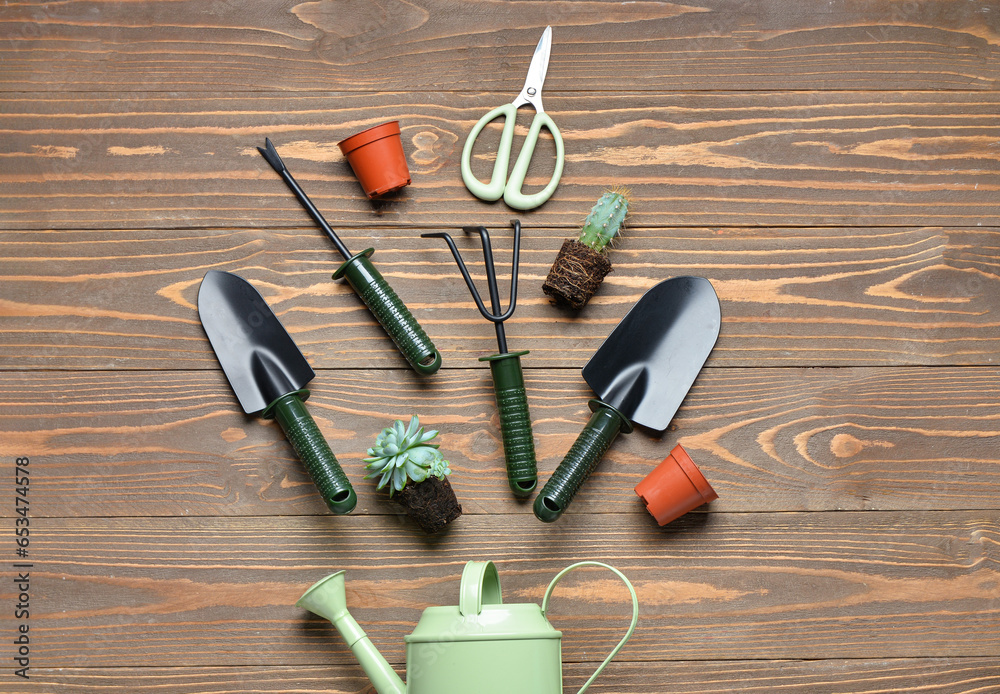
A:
x,y
605,220
583,263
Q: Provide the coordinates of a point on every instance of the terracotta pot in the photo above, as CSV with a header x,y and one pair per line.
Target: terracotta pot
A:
x,y
674,487
376,155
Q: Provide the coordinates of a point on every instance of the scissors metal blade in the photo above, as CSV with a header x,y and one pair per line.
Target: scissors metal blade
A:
x,y
531,93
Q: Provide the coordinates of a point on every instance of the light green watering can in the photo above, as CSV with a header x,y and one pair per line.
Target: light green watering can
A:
x,y
481,645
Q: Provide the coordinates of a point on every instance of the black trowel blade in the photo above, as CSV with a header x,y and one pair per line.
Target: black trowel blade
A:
x,y
258,356
649,362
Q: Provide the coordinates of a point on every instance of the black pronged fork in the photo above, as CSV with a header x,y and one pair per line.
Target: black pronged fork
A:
x,y
508,379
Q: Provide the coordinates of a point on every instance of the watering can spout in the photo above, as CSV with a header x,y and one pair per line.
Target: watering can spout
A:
x,y
328,599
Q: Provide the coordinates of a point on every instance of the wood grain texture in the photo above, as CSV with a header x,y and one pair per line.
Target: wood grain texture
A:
x,y
831,166
176,443
736,159
790,297
220,592
434,45
883,676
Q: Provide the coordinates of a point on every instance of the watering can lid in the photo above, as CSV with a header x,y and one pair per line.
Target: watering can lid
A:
x,y
481,614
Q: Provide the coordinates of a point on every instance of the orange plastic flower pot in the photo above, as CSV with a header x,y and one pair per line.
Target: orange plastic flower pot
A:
x,y
376,155
674,487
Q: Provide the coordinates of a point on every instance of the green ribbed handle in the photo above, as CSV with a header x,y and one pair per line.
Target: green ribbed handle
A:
x,y
391,312
515,423
587,451
313,451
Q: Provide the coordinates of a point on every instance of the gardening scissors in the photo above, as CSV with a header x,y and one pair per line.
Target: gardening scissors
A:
x,y
510,189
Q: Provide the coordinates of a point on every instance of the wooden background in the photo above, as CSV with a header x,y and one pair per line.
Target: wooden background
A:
x,y
832,167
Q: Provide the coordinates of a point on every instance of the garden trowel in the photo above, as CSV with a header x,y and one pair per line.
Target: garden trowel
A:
x,y
268,374
641,375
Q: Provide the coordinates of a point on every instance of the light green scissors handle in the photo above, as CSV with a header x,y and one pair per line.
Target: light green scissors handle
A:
x,y
500,185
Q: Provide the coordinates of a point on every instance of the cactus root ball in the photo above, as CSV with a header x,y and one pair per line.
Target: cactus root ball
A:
x,y
576,274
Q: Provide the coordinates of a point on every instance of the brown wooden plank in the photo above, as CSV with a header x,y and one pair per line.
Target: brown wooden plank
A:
x,y
177,444
831,167
434,45
735,159
169,592
884,676
804,297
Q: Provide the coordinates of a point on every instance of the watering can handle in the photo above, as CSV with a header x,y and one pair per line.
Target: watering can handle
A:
x,y
631,628
480,586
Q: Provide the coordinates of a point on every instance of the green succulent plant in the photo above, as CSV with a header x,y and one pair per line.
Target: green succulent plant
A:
x,y
402,454
605,219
